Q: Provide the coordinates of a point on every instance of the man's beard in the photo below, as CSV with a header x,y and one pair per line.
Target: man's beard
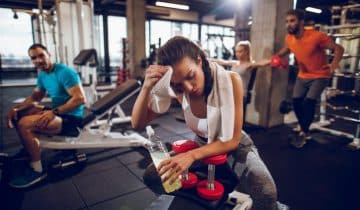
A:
x,y
294,30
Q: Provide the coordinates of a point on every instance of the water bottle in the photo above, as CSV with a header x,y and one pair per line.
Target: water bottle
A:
x,y
158,153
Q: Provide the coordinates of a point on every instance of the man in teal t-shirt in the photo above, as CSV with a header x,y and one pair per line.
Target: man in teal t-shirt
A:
x,y
62,84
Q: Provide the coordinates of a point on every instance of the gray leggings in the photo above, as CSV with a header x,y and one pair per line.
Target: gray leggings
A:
x,y
254,177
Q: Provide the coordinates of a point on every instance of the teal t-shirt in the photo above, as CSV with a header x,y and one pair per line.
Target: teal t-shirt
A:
x,y
56,83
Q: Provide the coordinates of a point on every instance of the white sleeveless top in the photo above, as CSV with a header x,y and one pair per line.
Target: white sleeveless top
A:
x,y
197,125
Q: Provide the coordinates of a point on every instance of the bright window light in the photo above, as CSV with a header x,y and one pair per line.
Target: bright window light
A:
x,y
314,10
171,5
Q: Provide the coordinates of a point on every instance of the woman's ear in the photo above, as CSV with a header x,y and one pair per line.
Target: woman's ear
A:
x,y
199,61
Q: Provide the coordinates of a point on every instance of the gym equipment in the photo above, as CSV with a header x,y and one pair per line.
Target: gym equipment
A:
x,y
87,62
211,189
278,62
123,73
323,121
241,201
152,55
101,137
188,179
224,174
220,49
72,160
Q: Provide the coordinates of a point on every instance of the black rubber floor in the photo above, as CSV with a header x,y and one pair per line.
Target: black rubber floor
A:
x,y
324,175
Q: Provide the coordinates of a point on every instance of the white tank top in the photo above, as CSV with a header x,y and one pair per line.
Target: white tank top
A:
x,y
197,125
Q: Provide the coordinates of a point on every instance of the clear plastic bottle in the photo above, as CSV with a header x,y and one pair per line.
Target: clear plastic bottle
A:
x,y
158,153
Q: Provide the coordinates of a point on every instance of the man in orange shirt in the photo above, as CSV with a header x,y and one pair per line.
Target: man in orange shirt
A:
x,y
315,72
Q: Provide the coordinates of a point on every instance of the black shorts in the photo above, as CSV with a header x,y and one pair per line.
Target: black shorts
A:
x,y
70,125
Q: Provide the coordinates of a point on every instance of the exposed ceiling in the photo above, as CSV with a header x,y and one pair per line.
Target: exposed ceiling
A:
x,y
223,9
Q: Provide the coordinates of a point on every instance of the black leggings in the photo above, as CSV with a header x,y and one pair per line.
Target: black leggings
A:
x,y
304,109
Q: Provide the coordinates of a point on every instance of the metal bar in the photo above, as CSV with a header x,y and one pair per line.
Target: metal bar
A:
x,y
343,117
334,132
355,111
211,177
342,26
91,139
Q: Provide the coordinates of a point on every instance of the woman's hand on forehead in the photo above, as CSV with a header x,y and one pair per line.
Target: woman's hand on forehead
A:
x,y
159,68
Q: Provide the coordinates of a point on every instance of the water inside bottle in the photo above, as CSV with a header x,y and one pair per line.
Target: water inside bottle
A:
x,y
157,157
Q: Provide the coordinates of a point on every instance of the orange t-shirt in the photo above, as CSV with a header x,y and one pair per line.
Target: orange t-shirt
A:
x,y
310,53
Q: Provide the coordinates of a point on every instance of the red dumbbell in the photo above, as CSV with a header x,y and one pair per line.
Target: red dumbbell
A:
x,y
278,62
188,179
211,189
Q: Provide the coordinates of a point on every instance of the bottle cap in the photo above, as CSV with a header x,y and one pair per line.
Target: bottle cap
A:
x,y
150,131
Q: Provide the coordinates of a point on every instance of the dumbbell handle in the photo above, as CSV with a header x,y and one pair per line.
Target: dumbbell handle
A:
x,y
211,177
185,174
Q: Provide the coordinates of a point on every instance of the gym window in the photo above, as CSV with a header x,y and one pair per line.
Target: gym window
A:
x,y
16,66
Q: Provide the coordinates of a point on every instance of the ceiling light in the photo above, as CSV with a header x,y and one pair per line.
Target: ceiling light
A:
x,y
314,10
171,5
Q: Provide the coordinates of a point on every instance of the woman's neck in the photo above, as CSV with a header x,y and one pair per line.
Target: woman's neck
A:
x,y
244,60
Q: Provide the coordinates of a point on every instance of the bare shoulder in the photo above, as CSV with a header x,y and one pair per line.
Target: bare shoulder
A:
x,y
236,79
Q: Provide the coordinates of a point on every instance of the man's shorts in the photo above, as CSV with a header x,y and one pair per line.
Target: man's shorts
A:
x,y
70,125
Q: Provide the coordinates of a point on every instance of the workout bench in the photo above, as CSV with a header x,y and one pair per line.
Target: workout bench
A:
x,y
100,137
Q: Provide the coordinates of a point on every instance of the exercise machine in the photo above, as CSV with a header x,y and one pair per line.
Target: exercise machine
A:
x,y
351,113
87,62
101,136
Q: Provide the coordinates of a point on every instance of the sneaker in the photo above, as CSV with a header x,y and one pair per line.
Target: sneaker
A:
x,y
297,129
298,141
308,137
27,179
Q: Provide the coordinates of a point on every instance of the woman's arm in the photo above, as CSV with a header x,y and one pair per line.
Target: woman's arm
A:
x,y
141,113
225,62
179,163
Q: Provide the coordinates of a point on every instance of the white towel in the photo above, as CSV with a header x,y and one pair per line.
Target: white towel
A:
x,y
162,93
220,102
220,105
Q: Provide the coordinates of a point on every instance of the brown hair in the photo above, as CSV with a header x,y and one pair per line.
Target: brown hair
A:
x,y
299,14
179,47
37,45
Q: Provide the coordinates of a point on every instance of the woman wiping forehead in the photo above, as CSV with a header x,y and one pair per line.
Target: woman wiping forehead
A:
x,y
211,99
